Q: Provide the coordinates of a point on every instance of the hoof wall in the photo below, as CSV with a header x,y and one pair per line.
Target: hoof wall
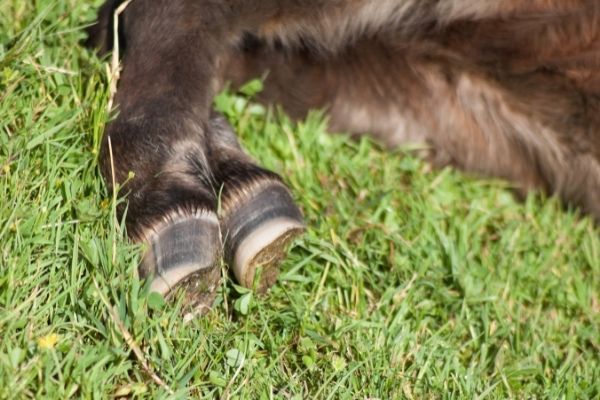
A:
x,y
259,233
185,253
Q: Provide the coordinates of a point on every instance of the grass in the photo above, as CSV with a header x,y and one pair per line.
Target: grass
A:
x,y
410,283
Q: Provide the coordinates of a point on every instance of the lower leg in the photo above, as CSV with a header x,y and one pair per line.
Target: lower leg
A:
x,y
536,130
171,203
259,218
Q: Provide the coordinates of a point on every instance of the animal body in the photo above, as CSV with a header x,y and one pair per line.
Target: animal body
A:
x,y
505,88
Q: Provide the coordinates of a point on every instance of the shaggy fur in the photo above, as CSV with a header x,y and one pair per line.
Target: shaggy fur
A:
x,y
507,88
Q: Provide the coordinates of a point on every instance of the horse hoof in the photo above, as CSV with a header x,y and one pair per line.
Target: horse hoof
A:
x,y
184,254
259,227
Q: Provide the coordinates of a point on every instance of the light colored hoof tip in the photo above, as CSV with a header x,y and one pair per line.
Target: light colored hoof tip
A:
x,y
258,256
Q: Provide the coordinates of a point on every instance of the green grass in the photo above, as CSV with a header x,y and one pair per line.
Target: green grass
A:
x,y
410,283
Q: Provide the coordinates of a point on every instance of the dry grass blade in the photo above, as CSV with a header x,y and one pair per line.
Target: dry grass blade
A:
x,y
115,190
114,75
139,354
114,71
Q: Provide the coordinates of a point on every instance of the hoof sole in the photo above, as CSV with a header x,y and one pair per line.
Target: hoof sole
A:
x,y
262,252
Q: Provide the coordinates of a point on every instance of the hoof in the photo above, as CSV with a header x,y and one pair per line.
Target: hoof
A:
x,y
259,227
185,253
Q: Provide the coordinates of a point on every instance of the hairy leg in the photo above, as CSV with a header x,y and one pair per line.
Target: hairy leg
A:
x,y
258,216
537,128
183,158
175,51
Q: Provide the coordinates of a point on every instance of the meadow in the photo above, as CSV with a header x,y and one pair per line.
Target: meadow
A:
x,y
409,282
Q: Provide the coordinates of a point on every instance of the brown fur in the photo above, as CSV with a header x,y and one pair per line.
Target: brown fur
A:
x,y
505,88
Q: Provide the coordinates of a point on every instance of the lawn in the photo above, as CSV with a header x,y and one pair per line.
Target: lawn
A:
x,y
409,282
